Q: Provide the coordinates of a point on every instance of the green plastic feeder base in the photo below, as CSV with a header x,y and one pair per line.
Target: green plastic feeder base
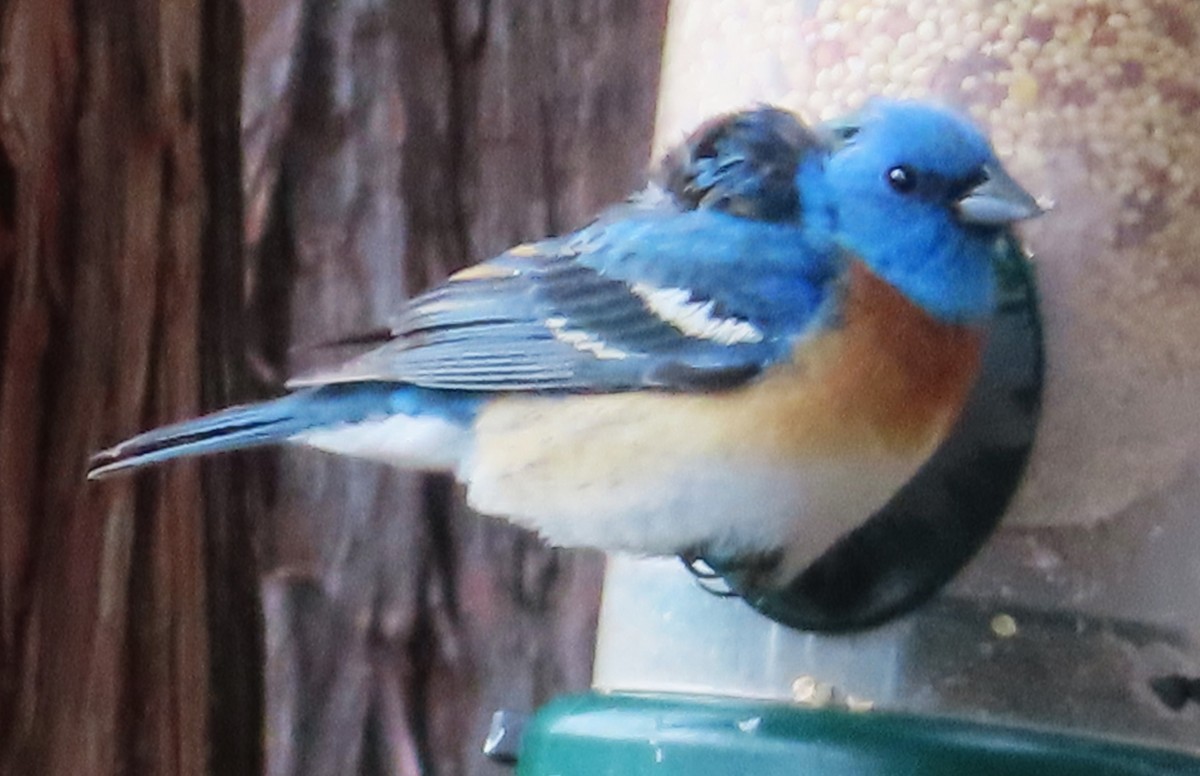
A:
x,y
659,734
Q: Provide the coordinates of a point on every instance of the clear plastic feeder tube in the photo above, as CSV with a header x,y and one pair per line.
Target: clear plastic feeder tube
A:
x,y
1081,613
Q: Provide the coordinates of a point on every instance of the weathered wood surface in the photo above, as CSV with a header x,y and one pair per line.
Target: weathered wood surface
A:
x,y
383,144
119,254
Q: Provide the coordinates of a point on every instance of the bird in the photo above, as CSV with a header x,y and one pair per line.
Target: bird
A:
x,y
744,360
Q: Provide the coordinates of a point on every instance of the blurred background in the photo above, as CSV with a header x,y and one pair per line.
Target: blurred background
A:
x,y
196,193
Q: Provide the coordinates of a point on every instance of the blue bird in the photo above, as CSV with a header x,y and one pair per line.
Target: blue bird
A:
x,y
747,359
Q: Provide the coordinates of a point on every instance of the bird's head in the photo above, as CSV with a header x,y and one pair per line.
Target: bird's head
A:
x,y
921,197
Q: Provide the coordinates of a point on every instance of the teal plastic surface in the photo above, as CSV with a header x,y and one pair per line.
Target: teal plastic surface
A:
x,y
642,734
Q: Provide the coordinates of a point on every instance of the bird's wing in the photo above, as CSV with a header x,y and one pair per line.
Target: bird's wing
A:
x,y
743,163
644,297
670,291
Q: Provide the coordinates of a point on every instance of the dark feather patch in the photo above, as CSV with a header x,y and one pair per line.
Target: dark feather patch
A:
x,y
741,163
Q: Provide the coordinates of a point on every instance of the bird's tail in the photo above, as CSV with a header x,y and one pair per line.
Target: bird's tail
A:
x,y
250,425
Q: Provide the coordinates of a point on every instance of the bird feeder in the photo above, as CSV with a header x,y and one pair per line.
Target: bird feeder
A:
x,y
930,641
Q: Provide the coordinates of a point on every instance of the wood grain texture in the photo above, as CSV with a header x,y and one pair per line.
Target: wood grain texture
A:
x,y
385,144
415,138
108,124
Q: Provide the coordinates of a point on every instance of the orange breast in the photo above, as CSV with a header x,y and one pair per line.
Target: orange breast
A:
x,y
891,377
887,383
798,456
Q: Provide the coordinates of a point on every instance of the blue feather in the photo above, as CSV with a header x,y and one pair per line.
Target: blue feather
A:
x,y
914,239
270,422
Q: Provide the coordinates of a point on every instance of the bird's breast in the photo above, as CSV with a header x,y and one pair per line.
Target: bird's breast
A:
x,y
889,378
859,407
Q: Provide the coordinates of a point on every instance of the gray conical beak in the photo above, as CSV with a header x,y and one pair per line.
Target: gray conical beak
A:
x,y
997,201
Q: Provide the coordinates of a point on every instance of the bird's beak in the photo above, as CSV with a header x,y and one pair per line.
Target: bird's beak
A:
x,y
997,201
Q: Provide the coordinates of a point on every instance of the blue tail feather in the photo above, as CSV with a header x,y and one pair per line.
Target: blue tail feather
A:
x,y
274,421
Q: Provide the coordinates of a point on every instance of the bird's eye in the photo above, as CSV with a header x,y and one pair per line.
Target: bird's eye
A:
x,y
845,132
902,178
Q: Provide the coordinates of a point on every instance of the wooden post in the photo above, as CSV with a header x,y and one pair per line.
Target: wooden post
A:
x,y
118,229
385,144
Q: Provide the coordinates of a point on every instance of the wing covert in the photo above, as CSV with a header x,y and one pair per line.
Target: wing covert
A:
x,y
691,301
743,163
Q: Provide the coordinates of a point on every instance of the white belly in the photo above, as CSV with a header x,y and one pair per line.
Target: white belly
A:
x,y
728,508
425,443
632,474
642,473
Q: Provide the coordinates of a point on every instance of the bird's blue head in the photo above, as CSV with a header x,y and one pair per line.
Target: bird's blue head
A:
x,y
917,192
